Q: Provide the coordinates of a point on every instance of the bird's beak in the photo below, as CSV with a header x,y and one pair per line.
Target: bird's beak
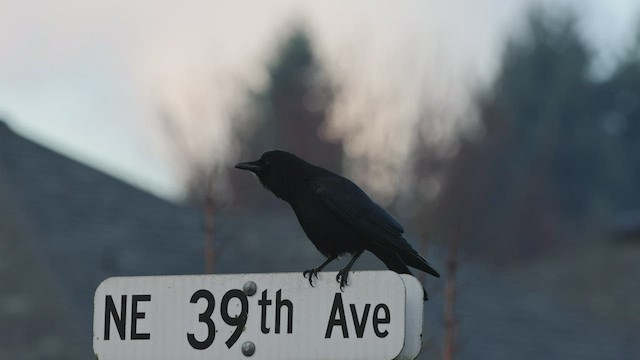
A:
x,y
253,166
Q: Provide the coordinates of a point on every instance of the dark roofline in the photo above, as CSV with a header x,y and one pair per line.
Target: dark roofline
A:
x,y
6,127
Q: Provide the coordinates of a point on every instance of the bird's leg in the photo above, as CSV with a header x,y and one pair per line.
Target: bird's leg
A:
x,y
314,272
344,273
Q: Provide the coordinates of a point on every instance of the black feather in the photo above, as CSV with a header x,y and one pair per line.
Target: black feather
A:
x,y
337,216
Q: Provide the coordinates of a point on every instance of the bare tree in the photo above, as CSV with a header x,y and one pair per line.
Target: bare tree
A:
x,y
204,134
442,126
450,321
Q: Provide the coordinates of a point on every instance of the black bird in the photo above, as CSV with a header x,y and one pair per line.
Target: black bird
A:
x,y
337,216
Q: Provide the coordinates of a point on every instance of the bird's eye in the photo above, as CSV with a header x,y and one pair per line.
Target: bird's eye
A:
x,y
267,163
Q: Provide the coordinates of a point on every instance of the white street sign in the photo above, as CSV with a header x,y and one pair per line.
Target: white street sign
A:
x,y
378,316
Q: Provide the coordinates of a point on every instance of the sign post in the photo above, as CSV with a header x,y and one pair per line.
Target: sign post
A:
x,y
258,316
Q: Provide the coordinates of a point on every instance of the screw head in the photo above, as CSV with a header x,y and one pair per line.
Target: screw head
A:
x,y
248,348
249,288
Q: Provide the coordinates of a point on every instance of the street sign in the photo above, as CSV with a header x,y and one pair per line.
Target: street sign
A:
x,y
258,316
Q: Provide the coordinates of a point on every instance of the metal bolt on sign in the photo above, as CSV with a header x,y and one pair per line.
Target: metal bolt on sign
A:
x,y
249,288
248,348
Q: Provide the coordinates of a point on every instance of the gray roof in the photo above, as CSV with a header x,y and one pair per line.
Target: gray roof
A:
x,y
86,226
89,226
36,320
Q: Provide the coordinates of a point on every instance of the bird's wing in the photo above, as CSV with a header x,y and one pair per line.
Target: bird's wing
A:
x,y
352,205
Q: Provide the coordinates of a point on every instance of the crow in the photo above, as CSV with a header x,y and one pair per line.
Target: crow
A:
x,y
336,215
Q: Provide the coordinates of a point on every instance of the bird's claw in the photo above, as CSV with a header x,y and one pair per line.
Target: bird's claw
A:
x,y
311,273
342,278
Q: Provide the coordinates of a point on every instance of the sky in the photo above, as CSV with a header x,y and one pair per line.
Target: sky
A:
x,y
87,78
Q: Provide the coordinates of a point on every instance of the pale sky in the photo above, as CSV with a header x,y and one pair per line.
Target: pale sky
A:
x,y
84,77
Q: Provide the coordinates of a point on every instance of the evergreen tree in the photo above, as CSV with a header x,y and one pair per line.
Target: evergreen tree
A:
x,y
618,103
512,190
291,111
294,105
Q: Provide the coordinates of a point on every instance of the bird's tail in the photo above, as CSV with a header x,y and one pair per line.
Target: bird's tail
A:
x,y
418,262
395,263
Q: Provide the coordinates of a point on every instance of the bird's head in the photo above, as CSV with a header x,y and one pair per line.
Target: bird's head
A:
x,y
277,170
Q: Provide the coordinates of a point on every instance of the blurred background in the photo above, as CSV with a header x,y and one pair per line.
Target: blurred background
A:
x,y
504,134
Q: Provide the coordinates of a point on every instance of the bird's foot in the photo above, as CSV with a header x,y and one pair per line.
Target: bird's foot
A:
x,y
311,273
342,278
